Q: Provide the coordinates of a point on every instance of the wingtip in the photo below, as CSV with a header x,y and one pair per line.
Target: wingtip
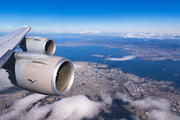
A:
x,y
26,26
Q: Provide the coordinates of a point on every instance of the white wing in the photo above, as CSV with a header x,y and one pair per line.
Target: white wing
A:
x,y
34,68
9,42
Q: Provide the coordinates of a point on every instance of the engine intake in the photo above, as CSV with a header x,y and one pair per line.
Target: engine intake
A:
x,y
47,75
38,44
62,77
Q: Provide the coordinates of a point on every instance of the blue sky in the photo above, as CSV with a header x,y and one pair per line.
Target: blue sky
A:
x,y
91,15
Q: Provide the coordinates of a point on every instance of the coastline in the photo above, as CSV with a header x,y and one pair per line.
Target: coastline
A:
x,y
144,51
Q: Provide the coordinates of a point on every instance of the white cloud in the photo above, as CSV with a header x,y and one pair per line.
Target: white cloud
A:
x,y
20,106
159,108
162,115
36,113
72,108
80,107
76,66
82,32
94,32
57,32
106,98
123,97
86,32
43,32
75,108
125,58
149,103
4,81
150,35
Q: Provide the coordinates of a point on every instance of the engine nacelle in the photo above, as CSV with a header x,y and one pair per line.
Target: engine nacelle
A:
x,y
38,44
47,74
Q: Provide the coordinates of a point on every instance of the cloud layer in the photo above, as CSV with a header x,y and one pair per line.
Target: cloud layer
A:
x,y
75,108
80,107
159,108
125,58
4,81
76,66
21,105
151,35
85,32
72,108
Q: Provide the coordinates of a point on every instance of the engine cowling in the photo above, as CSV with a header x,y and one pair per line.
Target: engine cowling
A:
x,y
43,74
38,44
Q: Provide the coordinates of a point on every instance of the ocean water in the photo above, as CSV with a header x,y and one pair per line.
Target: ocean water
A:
x,y
158,70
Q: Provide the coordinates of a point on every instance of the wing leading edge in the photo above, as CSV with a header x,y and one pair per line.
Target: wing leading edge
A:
x,y
9,42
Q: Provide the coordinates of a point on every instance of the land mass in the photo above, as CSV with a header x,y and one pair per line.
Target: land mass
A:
x,y
96,55
92,79
156,50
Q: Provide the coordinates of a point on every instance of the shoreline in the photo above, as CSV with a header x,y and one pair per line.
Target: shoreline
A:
x,y
149,53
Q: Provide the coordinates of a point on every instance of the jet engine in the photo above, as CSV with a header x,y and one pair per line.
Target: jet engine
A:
x,y
38,44
35,69
42,73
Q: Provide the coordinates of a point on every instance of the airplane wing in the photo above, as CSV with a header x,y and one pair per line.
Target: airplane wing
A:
x,y
34,68
9,42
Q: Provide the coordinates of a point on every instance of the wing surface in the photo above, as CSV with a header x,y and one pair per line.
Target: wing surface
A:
x,y
9,42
